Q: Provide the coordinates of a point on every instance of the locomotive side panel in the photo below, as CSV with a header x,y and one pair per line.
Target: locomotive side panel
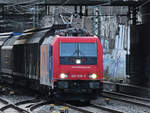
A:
x,y
46,62
45,65
100,60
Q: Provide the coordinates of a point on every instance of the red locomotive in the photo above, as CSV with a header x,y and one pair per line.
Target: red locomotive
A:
x,y
71,67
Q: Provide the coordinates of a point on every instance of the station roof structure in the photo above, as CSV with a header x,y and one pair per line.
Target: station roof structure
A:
x,y
95,2
76,2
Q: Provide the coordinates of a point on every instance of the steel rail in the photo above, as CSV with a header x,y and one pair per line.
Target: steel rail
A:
x,y
14,107
128,96
37,105
32,101
8,104
125,100
77,108
105,108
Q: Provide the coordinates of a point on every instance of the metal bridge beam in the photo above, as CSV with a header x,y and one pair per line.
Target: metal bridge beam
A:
x,y
94,2
76,2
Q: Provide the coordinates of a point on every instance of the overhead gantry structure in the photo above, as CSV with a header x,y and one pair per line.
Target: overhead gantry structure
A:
x,y
28,10
75,2
94,2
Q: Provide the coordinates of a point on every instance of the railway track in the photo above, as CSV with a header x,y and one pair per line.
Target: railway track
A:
x,y
26,106
7,106
88,109
77,108
106,108
129,89
127,98
34,104
30,106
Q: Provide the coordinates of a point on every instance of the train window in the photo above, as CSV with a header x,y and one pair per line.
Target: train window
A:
x,y
85,52
68,49
78,49
88,49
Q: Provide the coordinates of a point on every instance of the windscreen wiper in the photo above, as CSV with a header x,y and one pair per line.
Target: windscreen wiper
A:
x,y
76,51
81,53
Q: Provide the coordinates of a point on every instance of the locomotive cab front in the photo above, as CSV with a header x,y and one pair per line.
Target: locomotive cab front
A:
x,y
78,67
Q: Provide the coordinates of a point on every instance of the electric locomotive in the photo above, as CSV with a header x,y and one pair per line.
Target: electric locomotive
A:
x,y
67,66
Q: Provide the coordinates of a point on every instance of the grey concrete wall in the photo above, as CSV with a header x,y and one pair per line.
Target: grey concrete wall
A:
x,y
115,39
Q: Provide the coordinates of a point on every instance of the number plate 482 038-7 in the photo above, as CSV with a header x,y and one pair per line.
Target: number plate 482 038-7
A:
x,y
78,76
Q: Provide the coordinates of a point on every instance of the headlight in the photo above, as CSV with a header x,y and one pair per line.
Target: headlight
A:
x,y
63,75
93,76
78,61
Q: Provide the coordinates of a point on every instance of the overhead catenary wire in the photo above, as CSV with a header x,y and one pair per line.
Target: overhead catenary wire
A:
x,y
145,3
30,3
23,3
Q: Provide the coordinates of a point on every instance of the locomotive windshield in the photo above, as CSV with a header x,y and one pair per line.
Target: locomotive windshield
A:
x,y
88,49
73,51
78,49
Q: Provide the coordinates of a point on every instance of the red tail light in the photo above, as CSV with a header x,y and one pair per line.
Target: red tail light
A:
x,y
73,60
83,60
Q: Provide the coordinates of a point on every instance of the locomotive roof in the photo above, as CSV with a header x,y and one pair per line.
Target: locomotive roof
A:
x,y
77,37
73,32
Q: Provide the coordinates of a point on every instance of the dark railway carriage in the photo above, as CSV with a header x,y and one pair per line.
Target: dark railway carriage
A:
x,y
3,38
27,55
7,55
69,66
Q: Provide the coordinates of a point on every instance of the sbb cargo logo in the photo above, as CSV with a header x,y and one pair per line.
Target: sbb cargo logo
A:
x,y
78,76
